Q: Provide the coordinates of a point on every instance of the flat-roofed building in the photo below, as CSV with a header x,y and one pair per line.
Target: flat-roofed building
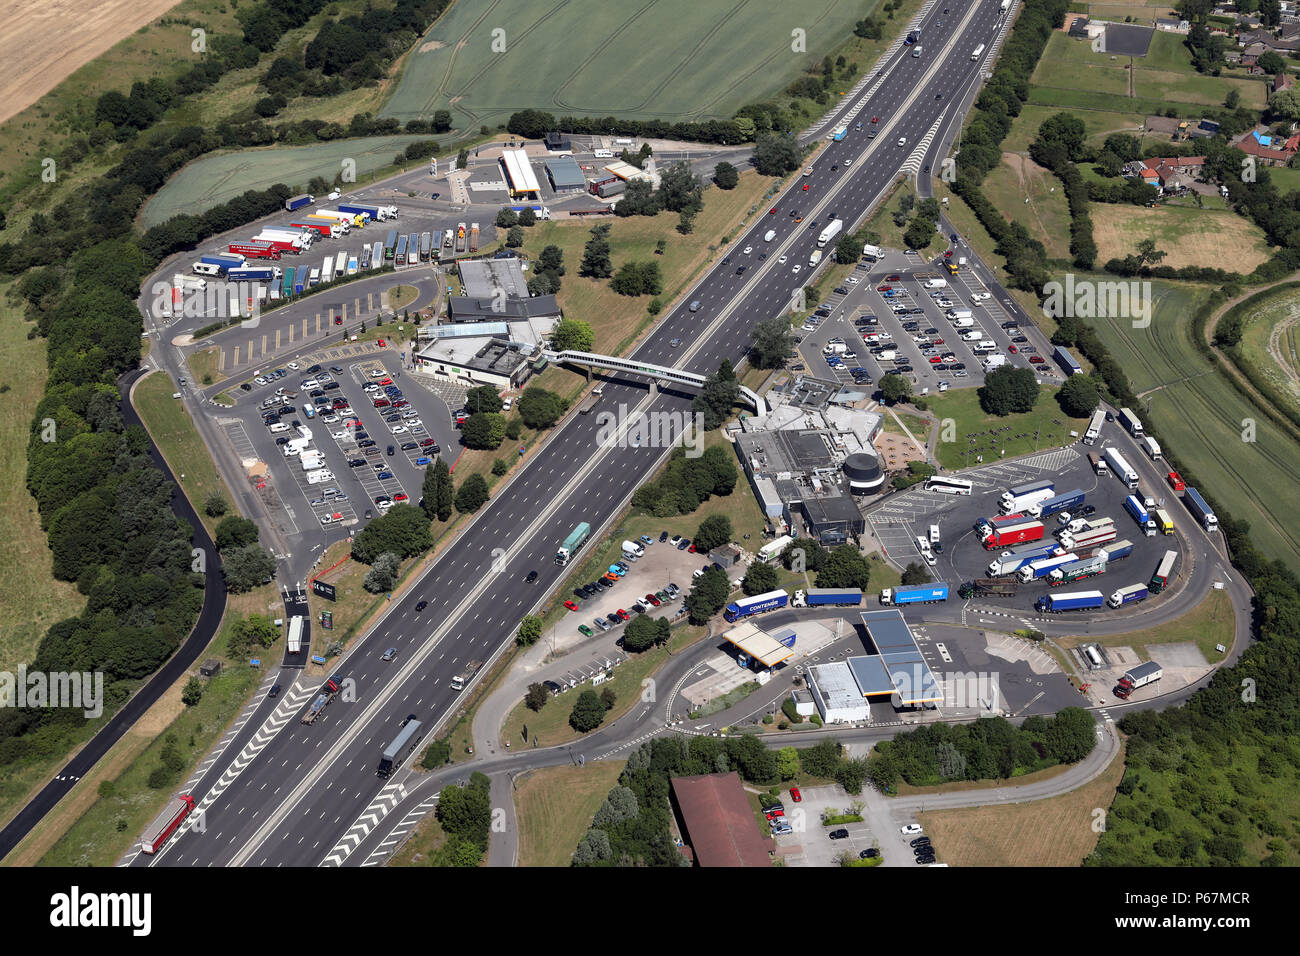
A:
x,y
521,181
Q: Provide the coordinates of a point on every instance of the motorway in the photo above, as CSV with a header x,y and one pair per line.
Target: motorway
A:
x,y
305,787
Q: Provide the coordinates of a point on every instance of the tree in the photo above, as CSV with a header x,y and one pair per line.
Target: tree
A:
x,y
708,595
484,430
536,697
255,632
919,234
1271,63
235,532
1065,130
404,531
915,574
530,629
596,262
680,189
638,199
1007,390
845,567
787,763
246,567
713,532
472,494
382,574
515,237
770,343
215,506
527,217
726,176
643,633
506,218
805,554
720,392
540,408
759,579
1078,397
686,222
1233,99
551,261
848,247
436,490
1148,253
638,278
776,155
445,492
572,335
895,389
588,712
484,398
193,692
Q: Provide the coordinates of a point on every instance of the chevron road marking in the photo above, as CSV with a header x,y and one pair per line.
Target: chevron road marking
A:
x,y
395,836
384,802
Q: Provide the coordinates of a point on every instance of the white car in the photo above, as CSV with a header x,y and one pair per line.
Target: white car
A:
x,y
748,250
340,436
781,260
852,280
902,141
292,365
848,162
795,270
329,419
326,519
507,404
399,429
910,829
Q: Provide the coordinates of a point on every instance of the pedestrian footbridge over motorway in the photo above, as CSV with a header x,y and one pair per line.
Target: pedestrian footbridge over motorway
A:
x,y
656,373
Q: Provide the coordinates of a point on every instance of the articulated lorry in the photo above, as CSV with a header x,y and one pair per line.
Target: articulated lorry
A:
x,y
1135,677
830,232
915,594
818,597
1199,509
297,202
328,692
1054,602
1063,502
1013,560
987,587
1122,469
1134,506
1041,568
577,537
1016,532
166,823
1077,570
747,607
1131,594
376,213
1116,550
463,678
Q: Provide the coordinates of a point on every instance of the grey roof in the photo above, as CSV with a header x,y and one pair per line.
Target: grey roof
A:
x,y
565,173
872,676
470,309
482,278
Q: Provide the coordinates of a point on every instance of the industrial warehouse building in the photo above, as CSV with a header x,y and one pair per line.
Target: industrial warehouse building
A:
x,y
521,181
716,822
565,175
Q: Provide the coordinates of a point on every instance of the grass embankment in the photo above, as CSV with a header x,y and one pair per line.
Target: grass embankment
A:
x,y
1057,831
169,424
1268,349
550,726
554,808
105,815
979,434
204,366
30,599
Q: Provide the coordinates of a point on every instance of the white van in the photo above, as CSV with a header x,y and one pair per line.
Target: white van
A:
x,y
962,323
984,347
631,547
974,335
936,283
279,427
960,313
771,234
603,153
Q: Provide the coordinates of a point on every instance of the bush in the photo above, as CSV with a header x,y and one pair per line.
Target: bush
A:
x,y
438,754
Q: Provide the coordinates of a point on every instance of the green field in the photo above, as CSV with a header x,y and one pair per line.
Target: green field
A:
x,y
975,433
214,179
1275,318
674,59
1201,419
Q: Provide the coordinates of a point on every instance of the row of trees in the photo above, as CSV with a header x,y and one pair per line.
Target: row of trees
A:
x,y
688,482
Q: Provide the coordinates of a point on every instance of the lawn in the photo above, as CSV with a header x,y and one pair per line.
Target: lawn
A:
x,y
1211,622
30,599
618,319
1204,422
170,426
203,366
1046,215
1044,428
550,727
1057,831
1188,236
484,63
554,807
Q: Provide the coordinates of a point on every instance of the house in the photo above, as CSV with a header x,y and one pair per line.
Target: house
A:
x,y
1282,81
1173,26
1173,174
1268,149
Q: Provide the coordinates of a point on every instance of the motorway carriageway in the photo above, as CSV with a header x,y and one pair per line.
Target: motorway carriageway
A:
x,y
308,784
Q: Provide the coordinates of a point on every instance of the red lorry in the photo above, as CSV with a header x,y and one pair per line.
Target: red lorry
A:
x,y
1005,534
255,249
317,227
165,824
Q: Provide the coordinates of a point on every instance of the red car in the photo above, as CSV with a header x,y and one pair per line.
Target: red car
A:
x,y
935,360
884,288
381,403
425,443
948,254
772,211
653,600
338,320
805,187
773,814
894,278
400,496
1014,350
1036,359
875,119
571,605
936,341
401,403
691,549
795,795
385,381
381,343
622,614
